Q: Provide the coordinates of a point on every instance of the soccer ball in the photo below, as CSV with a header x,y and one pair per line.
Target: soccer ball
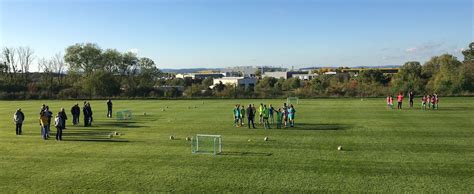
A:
x,y
339,148
265,139
162,109
188,139
116,133
250,140
171,137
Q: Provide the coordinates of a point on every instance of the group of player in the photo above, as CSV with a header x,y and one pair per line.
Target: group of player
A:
x,y
431,101
285,116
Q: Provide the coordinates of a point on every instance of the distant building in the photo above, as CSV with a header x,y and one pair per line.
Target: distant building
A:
x,y
282,74
245,71
200,75
236,81
306,76
330,73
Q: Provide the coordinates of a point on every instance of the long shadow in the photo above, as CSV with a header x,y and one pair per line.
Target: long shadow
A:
x,y
451,109
245,154
120,124
317,127
100,140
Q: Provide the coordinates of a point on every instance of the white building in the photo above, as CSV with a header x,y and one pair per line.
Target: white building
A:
x,y
236,81
305,76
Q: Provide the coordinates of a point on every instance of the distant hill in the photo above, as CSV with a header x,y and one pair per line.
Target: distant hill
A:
x,y
355,67
190,70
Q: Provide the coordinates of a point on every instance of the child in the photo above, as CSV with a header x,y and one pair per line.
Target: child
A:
x,y
242,116
291,115
400,101
433,101
279,115
389,102
428,99
436,100
423,102
266,114
285,116
236,116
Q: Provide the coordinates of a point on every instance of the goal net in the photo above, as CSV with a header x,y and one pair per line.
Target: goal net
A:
x,y
207,144
292,100
124,115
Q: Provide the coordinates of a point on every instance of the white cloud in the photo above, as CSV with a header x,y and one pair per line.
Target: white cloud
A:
x,y
426,47
411,50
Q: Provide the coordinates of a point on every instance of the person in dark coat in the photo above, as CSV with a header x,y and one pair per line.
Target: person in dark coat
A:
x,y
251,116
85,112
63,116
76,112
109,108
48,114
18,118
89,110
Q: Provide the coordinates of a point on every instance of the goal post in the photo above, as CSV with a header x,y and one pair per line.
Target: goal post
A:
x,y
124,115
292,100
206,144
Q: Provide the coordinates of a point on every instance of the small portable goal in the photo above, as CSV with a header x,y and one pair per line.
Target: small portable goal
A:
x,y
206,144
124,115
292,100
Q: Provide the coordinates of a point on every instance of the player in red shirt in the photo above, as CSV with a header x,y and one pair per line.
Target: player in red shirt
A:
x,y
400,100
423,103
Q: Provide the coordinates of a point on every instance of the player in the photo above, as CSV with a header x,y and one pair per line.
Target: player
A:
x,y
236,115
266,114
400,101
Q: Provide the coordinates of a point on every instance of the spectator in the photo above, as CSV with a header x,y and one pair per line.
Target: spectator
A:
x,y
18,118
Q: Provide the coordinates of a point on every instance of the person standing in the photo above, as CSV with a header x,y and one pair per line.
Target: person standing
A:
x,y
250,116
436,100
260,114
48,114
291,113
242,115
272,110
266,114
109,108
63,116
18,118
399,100
58,123
75,111
279,118
89,110
423,102
411,96
85,112
44,124
236,116
433,101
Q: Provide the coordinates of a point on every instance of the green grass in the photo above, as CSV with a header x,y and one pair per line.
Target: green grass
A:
x,y
385,150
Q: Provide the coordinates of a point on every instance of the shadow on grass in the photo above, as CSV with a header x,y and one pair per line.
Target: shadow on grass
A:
x,y
245,154
120,124
99,140
451,109
320,127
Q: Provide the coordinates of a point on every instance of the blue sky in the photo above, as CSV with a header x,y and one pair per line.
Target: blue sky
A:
x,y
212,33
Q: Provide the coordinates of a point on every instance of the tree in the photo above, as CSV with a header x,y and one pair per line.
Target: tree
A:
x,y
408,78
469,53
25,58
101,83
111,59
86,58
450,78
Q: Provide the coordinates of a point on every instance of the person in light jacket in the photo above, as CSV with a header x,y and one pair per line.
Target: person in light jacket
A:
x,y
58,123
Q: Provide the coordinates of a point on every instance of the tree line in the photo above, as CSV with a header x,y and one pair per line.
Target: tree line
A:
x,y
88,71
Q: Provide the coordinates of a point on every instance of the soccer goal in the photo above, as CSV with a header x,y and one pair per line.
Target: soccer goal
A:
x,y
206,144
292,100
124,115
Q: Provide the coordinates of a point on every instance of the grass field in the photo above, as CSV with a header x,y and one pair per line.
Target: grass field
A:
x,y
385,150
